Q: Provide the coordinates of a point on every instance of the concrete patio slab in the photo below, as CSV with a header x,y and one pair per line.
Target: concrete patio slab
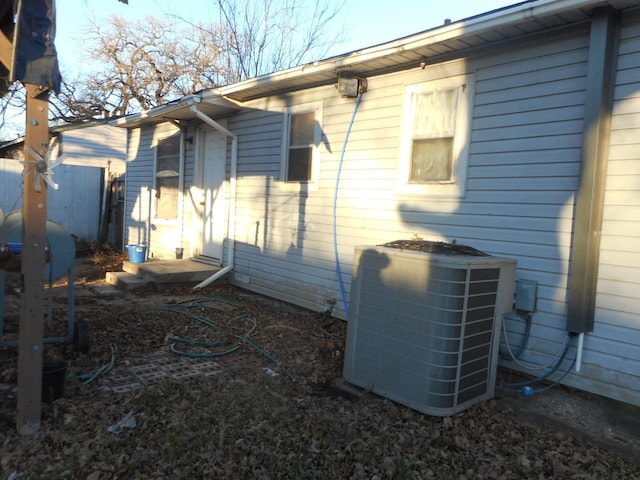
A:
x,y
170,271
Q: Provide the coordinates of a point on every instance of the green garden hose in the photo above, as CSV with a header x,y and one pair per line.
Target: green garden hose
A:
x,y
238,332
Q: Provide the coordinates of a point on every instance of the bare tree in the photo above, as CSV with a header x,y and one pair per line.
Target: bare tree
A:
x,y
264,36
13,100
142,64
148,62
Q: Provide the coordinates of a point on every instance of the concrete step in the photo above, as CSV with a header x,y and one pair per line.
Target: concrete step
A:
x,y
160,272
124,280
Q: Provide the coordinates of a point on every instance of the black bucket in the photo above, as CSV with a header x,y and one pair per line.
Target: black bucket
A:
x,y
53,377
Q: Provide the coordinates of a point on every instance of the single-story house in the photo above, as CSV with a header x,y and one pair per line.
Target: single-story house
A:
x,y
515,132
88,162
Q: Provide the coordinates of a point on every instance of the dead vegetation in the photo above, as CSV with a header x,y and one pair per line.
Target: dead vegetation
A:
x,y
292,421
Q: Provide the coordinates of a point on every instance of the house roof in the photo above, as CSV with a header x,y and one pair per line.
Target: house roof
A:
x,y
451,40
89,144
181,109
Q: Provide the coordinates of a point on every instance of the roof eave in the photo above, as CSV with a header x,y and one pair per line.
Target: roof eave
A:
x,y
177,110
396,54
473,26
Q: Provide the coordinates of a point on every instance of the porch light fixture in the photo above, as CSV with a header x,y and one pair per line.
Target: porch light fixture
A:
x,y
351,87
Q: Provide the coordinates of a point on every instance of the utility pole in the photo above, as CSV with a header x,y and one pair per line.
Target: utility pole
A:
x,y
28,56
34,245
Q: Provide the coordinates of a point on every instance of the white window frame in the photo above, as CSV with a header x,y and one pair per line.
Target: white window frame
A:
x,y
177,219
312,183
456,187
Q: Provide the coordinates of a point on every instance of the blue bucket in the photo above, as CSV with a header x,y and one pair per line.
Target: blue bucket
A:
x,y
137,253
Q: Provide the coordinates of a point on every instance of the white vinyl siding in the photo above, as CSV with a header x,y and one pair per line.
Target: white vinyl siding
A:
x,y
520,170
522,178
526,142
612,351
97,146
80,218
89,155
525,137
141,225
138,187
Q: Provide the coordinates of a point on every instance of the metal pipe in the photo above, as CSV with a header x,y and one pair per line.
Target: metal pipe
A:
x,y
579,352
102,224
231,220
182,155
214,277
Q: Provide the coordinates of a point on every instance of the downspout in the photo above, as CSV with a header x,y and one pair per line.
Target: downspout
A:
x,y
183,161
102,224
591,190
232,196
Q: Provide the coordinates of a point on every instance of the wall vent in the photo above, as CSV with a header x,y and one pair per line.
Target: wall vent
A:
x,y
424,326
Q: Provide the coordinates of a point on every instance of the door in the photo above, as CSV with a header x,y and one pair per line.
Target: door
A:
x,y
214,214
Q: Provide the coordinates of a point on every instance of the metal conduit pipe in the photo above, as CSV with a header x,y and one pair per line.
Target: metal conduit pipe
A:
x,y
231,211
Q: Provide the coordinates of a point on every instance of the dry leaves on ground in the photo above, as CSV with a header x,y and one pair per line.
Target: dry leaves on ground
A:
x,y
244,423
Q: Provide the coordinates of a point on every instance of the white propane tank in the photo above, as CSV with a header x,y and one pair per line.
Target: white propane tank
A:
x,y
62,248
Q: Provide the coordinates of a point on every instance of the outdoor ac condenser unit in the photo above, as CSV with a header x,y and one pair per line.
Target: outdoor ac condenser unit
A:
x,y
424,327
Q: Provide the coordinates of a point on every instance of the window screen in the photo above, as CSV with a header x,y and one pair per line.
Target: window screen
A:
x,y
168,177
301,143
434,123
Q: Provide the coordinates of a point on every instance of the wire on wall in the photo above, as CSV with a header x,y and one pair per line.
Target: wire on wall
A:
x,y
335,205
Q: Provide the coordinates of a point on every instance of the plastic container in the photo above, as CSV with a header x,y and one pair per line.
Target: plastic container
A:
x,y
137,253
53,378
11,248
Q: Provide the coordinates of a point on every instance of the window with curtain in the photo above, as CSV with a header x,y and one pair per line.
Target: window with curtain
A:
x,y
435,137
434,127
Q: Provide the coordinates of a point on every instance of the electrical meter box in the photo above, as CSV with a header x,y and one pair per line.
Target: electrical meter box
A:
x,y
526,293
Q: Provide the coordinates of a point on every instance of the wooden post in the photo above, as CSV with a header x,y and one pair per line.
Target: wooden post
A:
x,y
34,244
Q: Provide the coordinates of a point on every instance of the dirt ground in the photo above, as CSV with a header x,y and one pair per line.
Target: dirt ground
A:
x,y
267,406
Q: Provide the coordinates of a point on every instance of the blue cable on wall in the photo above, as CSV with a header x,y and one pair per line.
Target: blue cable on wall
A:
x,y
335,205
